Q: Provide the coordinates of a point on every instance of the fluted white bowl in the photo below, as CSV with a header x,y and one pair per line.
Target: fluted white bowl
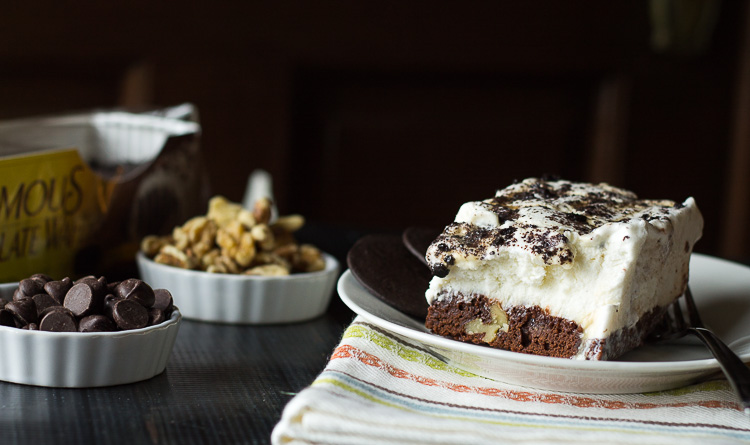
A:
x,y
7,289
86,359
244,299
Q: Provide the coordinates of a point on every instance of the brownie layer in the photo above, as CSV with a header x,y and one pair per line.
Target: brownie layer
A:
x,y
532,330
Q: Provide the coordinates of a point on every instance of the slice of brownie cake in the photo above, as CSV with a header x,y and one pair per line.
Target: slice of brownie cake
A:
x,y
561,269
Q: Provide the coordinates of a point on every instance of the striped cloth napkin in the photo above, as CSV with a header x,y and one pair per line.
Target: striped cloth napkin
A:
x,y
379,388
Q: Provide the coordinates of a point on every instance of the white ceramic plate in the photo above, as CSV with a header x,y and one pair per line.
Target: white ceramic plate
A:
x,y
722,293
244,299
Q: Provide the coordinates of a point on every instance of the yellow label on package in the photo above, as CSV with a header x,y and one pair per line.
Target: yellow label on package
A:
x,y
50,203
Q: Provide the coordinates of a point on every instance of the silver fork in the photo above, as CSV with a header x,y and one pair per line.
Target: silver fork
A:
x,y
736,372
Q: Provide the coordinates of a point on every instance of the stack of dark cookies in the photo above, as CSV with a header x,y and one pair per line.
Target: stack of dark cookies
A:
x,y
393,268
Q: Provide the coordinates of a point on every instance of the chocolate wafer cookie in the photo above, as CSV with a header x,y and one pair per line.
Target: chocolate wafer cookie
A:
x,y
385,267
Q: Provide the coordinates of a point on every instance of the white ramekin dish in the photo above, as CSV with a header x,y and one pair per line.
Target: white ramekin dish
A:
x,y
86,359
244,299
7,289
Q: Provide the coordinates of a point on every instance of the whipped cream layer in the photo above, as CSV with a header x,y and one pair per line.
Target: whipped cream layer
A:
x,y
593,254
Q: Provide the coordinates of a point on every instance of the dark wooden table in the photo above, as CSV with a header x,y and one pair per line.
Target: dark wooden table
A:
x,y
223,384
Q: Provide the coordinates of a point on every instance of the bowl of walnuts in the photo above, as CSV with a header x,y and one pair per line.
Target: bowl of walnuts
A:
x,y
239,265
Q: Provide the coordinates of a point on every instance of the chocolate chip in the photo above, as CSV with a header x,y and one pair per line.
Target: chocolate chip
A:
x,y
439,270
84,279
163,300
82,299
128,314
42,302
96,323
18,294
58,321
6,318
58,289
112,286
155,316
109,303
98,285
24,311
31,287
43,278
136,290
31,327
54,309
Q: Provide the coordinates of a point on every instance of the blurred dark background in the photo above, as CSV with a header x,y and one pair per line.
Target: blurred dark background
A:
x,y
382,115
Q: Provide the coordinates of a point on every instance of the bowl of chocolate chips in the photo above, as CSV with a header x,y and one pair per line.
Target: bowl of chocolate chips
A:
x,y
85,333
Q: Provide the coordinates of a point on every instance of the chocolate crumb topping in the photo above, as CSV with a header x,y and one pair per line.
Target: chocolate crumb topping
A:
x,y
439,270
503,236
539,215
549,244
